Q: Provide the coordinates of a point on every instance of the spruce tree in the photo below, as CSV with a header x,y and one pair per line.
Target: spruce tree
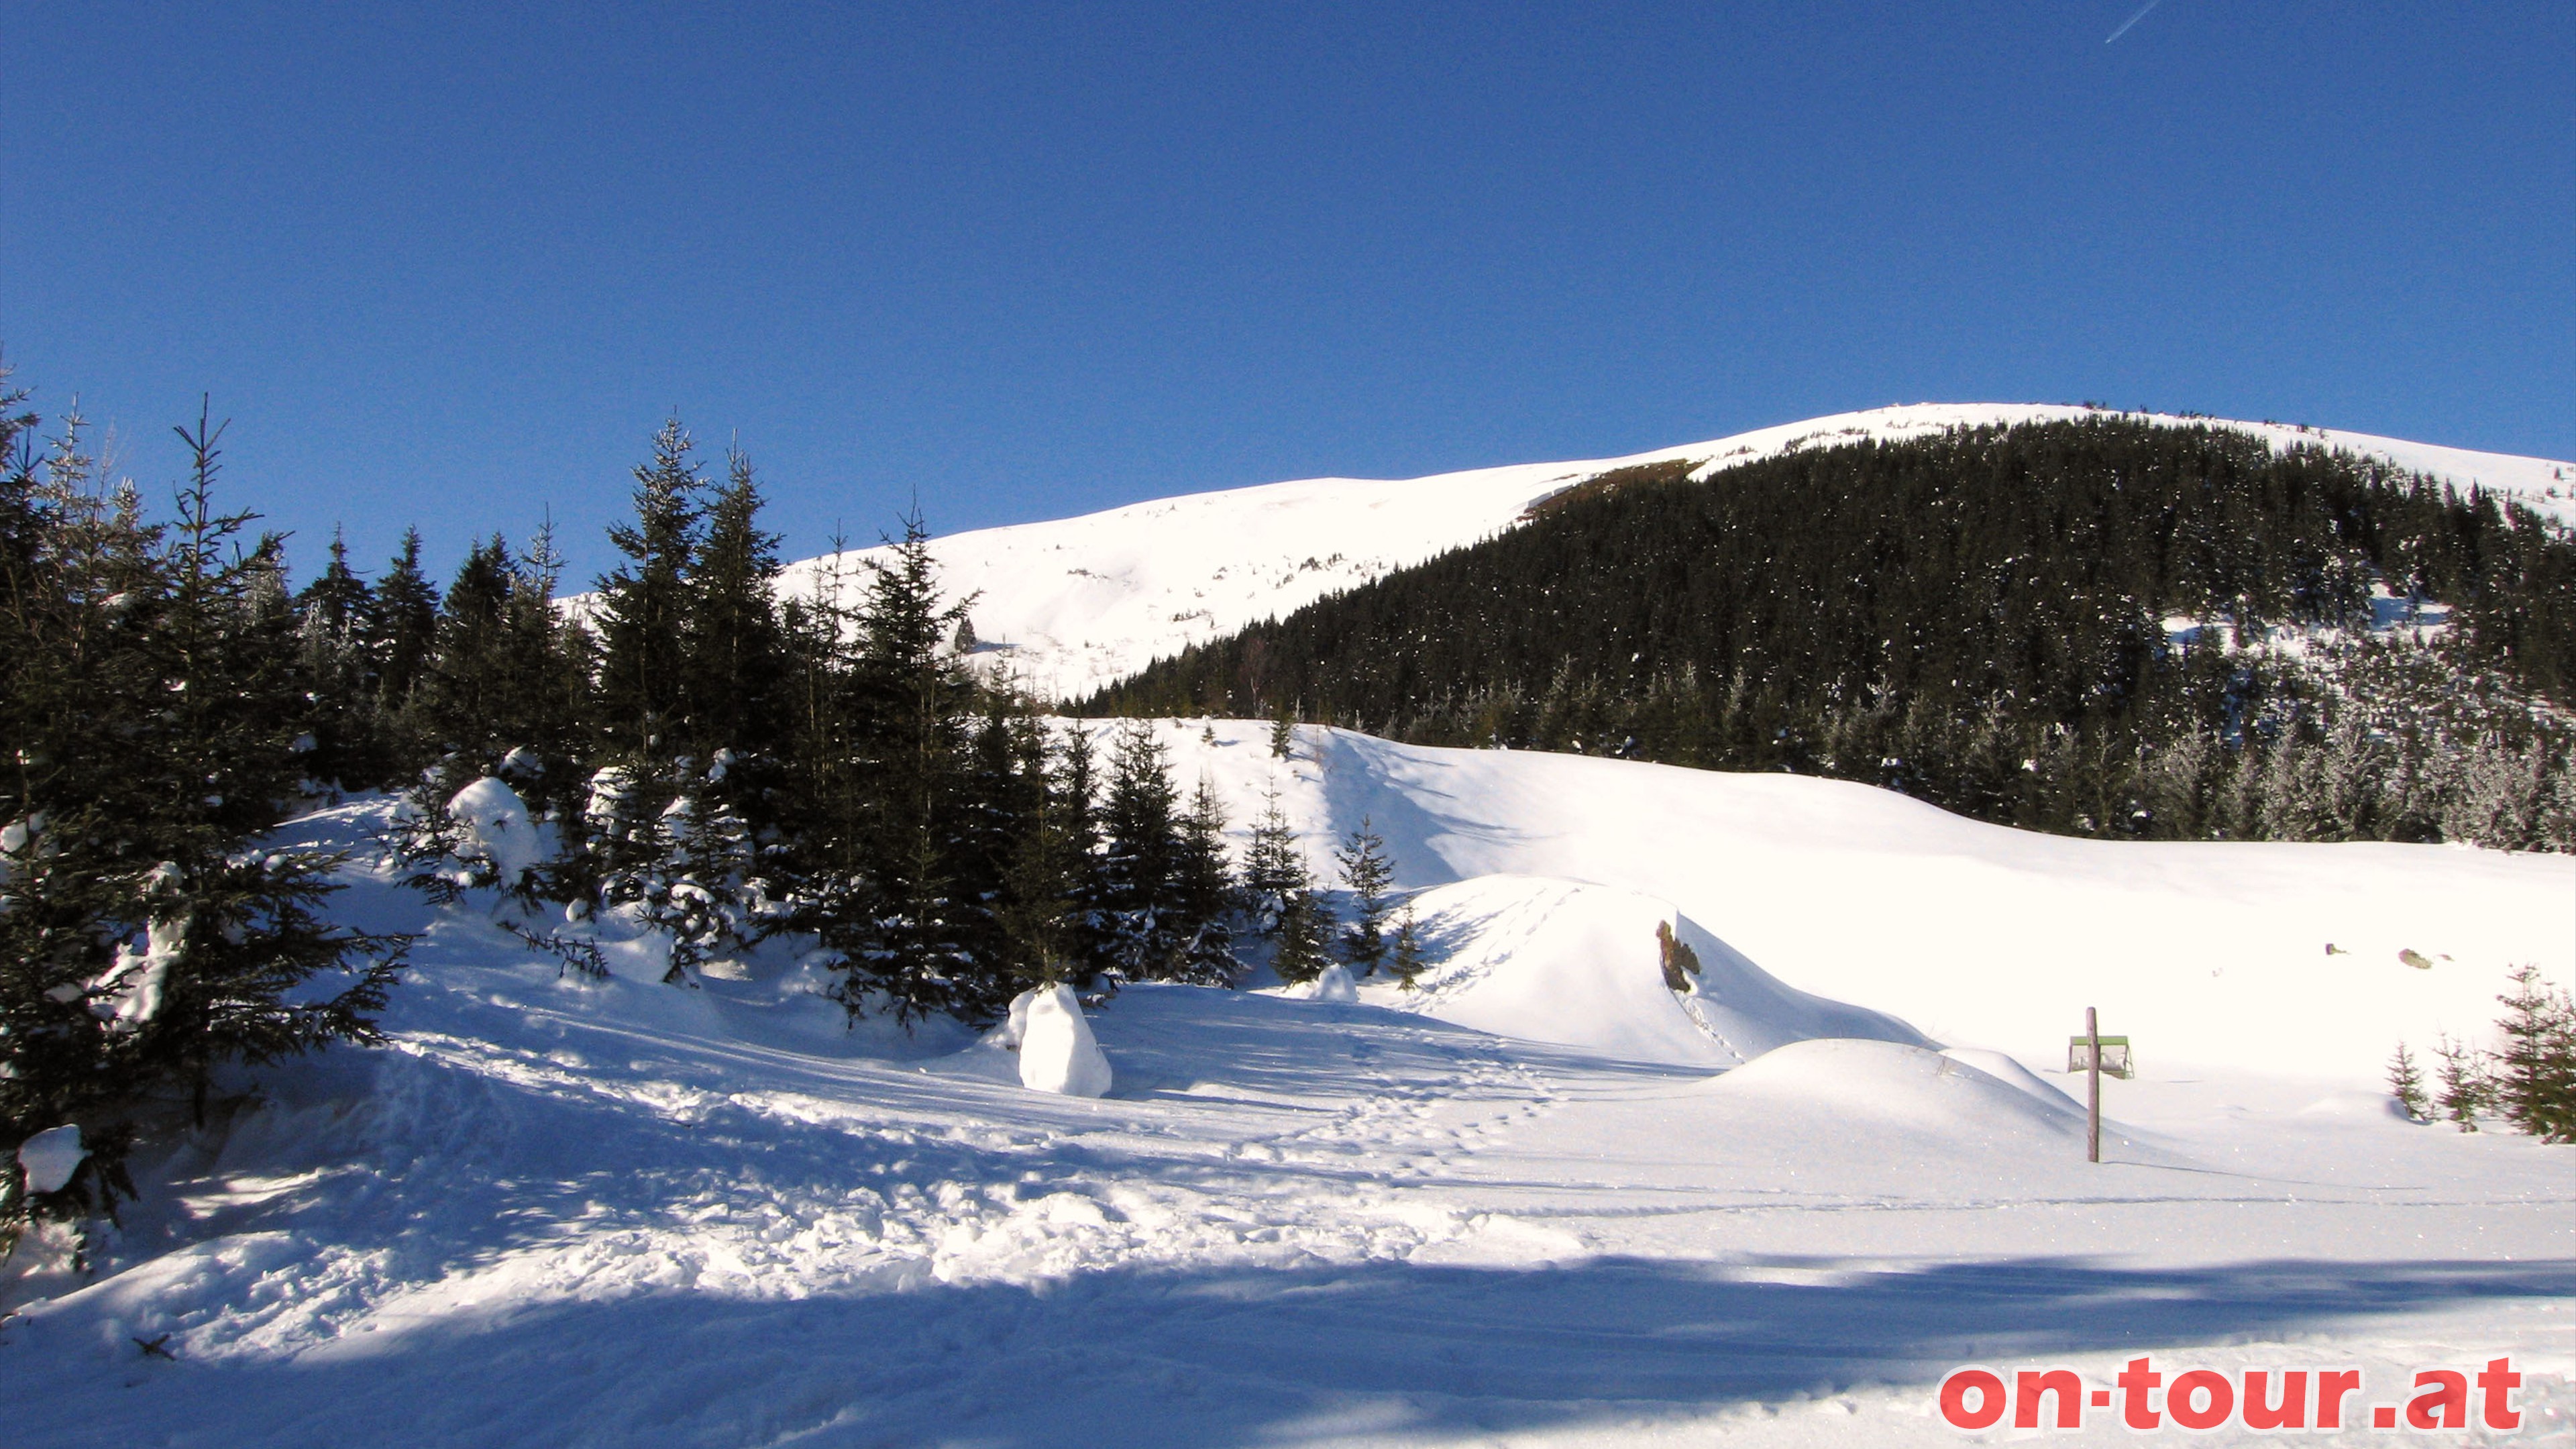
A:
x,y
736,655
1367,875
912,699
545,663
153,708
464,698
1204,894
2466,1092
1407,962
334,616
645,602
1141,857
1301,941
2535,1077
2406,1084
1040,905
402,633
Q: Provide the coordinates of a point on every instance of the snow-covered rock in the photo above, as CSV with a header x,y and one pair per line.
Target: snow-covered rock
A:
x,y
1334,984
51,1157
497,827
1057,1052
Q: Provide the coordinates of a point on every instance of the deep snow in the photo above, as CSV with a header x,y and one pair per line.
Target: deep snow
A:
x,y
1520,1205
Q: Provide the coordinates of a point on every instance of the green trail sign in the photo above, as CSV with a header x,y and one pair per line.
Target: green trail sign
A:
x,y
2115,1056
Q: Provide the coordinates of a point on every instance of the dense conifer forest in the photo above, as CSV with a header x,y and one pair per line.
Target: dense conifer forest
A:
x,y
2096,627
710,762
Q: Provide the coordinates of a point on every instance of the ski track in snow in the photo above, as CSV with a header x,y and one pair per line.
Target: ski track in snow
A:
x,y
557,1213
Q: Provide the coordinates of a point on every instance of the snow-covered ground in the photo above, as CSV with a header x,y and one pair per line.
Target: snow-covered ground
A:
x,y
1541,1200
1074,604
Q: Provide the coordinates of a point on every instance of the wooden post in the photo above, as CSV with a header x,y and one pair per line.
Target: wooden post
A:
x,y
2092,1087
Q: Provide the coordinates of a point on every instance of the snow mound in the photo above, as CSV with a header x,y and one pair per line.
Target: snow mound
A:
x,y
1913,1089
1334,984
2359,1107
50,1158
2012,1073
498,827
1584,965
1057,1053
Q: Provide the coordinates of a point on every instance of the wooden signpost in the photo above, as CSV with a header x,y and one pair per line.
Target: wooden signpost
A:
x,y
2093,1054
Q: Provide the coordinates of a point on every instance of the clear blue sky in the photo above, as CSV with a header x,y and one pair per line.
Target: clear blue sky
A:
x,y
1028,260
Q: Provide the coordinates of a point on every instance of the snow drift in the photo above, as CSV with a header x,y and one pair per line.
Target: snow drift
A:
x,y
1583,965
1918,1092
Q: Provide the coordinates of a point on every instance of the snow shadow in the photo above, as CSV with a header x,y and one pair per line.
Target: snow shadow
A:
x,y
1214,1358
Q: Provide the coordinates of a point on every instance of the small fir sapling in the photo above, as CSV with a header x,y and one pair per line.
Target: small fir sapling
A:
x,y
2406,1084
1367,874
1302,939
1407,963
2463,1077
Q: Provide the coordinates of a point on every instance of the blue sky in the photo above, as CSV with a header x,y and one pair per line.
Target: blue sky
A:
x,y
1019,261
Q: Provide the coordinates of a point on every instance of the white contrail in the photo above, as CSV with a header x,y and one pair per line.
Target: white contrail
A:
x,y
2134,19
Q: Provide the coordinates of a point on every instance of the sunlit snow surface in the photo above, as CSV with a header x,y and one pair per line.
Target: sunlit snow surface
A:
x,y
1078,603
627,1213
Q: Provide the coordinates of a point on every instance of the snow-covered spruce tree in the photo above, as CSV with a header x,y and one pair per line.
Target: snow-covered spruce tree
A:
x,y
2535,1076
1367,875
902,936
145,936
1141,858
1273,869
672,832
546,661
1204,894
2406,1084
1280,897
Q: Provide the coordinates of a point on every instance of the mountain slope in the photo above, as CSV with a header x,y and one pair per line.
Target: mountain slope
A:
x,y
1074,604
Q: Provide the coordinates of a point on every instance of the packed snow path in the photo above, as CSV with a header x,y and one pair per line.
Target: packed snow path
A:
x,y
565,1215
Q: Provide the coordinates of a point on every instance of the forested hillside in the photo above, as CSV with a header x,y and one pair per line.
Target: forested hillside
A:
x,y
2098,627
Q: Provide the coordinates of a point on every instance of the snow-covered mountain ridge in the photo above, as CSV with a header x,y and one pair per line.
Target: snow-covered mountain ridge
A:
x,y
1073,604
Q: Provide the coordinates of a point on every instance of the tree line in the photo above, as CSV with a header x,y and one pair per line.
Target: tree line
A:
x,y
2096,627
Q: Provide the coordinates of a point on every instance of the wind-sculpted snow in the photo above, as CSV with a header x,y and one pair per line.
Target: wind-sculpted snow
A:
x,y
1579,965
1071,605
557,1211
